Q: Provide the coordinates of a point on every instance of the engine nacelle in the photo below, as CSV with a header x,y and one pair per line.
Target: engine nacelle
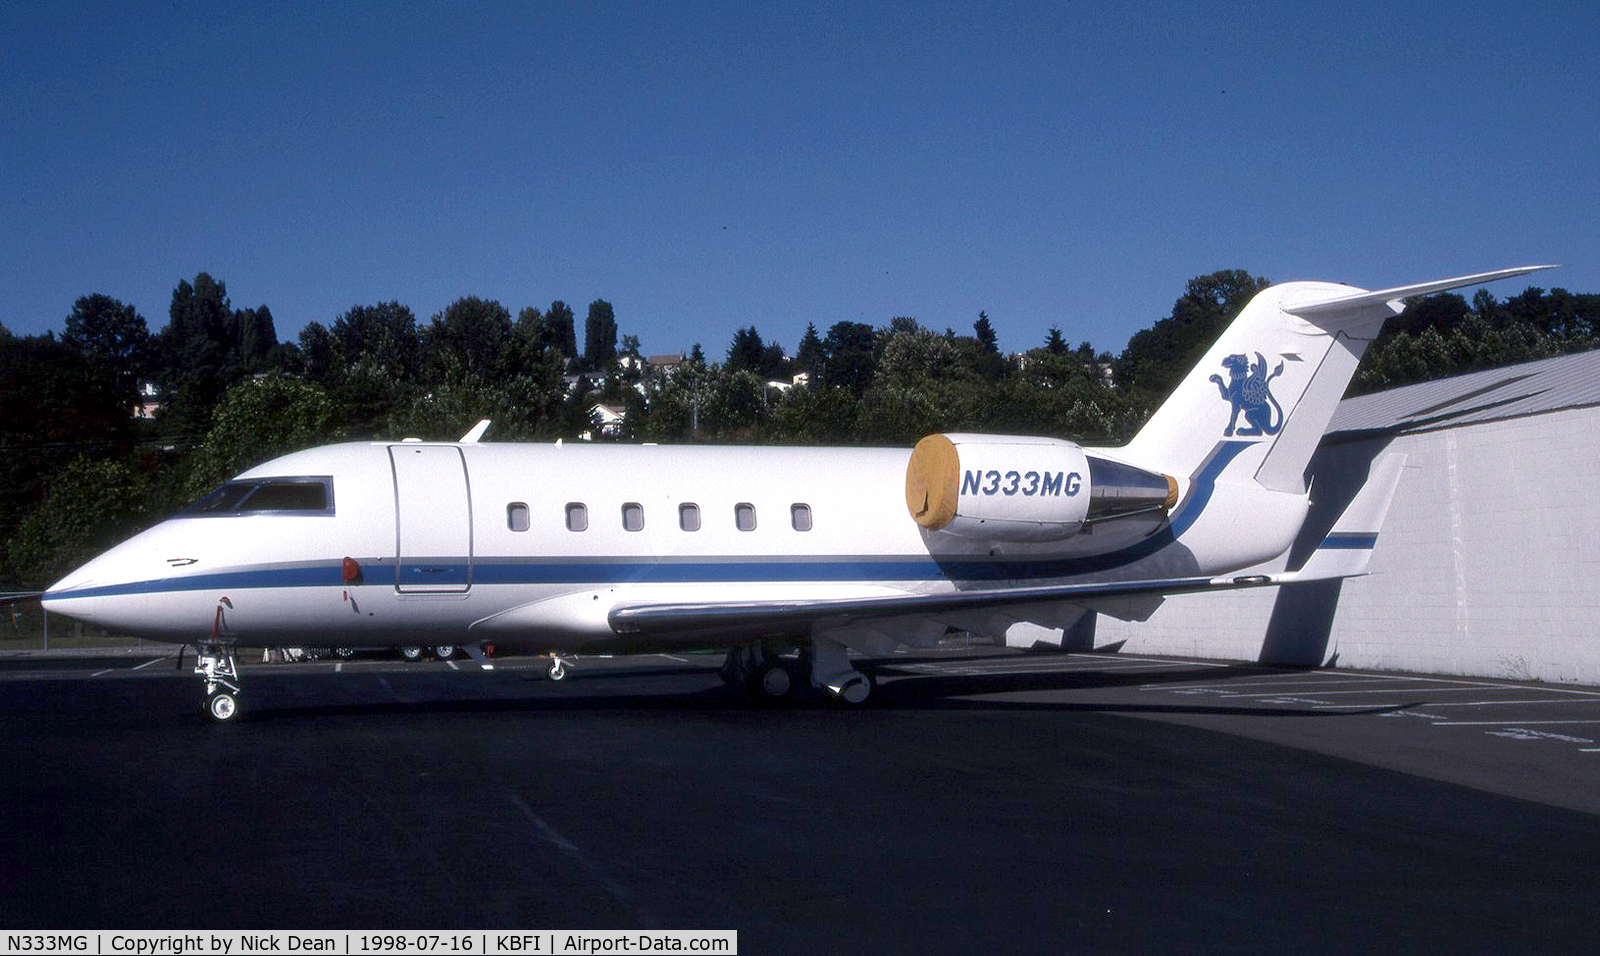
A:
x,y
1005,488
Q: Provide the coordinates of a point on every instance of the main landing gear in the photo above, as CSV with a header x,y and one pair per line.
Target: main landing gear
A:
x,y
215,663
765,675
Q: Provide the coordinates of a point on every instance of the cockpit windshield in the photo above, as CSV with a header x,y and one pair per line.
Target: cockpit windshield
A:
x,y
296,496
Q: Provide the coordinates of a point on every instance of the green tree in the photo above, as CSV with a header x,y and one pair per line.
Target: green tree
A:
x,y
808,358
114,339
1157,358
57,407
471,338
380,350
600,336
849,356
255,338
815,414
985,333
259,419
924,382
734,406
745,350
92,504
197,353
562,334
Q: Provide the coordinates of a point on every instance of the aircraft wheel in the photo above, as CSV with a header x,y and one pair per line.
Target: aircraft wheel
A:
x,y
444,651
771,682
344,652
221,707
411,653
855,691
557,671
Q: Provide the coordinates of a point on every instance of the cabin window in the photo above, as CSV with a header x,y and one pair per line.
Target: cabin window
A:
x,y
633,516
800,517
577,516
689,516
744,516
305,496
517,516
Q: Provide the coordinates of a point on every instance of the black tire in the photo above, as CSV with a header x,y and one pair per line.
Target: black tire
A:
x,y
772,682
221,707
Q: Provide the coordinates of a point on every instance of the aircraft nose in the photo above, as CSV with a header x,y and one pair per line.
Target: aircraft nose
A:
x,y
71,596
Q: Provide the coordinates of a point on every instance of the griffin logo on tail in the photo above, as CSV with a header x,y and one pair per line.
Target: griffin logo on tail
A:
x,y
1247,389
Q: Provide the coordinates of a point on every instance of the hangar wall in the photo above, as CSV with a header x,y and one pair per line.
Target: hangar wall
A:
x,y
1488,564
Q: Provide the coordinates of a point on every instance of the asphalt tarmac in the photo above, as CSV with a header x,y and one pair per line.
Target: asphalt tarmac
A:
x,y
984,801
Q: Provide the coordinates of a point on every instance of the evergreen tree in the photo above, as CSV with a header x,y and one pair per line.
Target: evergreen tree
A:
x,y
600,336
198,353
113,338
808,358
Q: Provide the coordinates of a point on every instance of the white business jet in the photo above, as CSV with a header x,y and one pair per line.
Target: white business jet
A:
x,y
575,548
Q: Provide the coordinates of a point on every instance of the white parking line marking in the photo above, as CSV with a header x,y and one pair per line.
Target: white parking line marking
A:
x,y
1491,703
1381,690
1506,723
1369,705
452,665
106,671
148,663
1149,660
1287,683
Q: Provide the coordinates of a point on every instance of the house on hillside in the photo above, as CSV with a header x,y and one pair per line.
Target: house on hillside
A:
x,y
608,421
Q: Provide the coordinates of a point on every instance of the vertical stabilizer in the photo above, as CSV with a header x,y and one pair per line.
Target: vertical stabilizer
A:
x,y
1274,378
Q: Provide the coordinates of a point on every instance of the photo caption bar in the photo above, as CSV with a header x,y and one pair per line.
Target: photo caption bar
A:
x,y
569,942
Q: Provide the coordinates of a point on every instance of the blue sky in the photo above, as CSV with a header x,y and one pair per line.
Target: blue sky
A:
x,y
707,166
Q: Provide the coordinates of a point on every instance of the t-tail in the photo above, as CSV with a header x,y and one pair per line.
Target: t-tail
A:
x,y
1273,379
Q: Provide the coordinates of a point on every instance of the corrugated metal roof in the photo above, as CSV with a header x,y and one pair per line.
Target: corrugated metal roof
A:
x,y
1529,388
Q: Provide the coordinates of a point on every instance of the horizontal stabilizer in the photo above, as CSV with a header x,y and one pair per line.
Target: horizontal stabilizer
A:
x,y
1361,300
1347,548
19,597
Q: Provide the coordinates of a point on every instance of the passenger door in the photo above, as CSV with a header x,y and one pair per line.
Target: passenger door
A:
x,y
433,519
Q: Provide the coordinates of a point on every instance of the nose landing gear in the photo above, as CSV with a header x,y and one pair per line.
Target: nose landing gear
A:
x,y
215,663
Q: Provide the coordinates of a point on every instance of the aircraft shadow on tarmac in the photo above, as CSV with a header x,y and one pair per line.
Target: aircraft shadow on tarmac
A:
x,y
897,690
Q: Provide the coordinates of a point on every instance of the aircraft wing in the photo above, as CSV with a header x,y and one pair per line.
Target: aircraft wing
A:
x,y
766,619
19,597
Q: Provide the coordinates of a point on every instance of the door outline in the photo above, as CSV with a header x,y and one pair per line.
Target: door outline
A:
x,y
412,575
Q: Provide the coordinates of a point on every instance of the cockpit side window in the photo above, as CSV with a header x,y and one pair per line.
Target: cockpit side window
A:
x,y
279,496
223,500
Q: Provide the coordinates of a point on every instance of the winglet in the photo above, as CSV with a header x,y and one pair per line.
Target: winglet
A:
x,y
1347,548
1361,300
471,438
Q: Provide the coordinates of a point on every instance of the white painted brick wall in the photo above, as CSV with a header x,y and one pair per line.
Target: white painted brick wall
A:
x,y
1488,565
